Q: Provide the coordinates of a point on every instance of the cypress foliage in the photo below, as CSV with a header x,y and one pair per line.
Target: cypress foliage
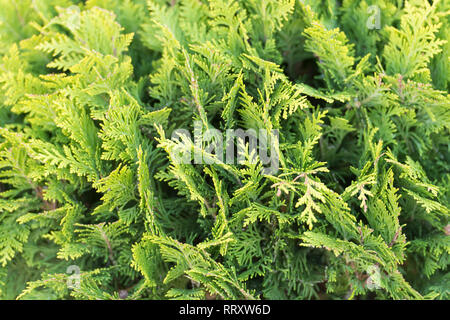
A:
x,y
95,204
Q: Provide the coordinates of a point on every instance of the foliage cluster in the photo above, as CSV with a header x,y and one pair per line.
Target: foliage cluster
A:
x,y
91,92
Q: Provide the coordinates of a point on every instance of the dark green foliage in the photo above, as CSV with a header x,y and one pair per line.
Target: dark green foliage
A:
x,y
92,91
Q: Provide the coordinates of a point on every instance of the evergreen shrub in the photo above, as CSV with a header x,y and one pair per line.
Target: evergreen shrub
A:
x,y
101,99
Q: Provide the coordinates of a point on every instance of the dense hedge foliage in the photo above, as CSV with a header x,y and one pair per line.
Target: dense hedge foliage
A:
x,y
95,204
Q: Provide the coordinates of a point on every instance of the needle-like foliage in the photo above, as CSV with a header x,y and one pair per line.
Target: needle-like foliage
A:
x,y
352,97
